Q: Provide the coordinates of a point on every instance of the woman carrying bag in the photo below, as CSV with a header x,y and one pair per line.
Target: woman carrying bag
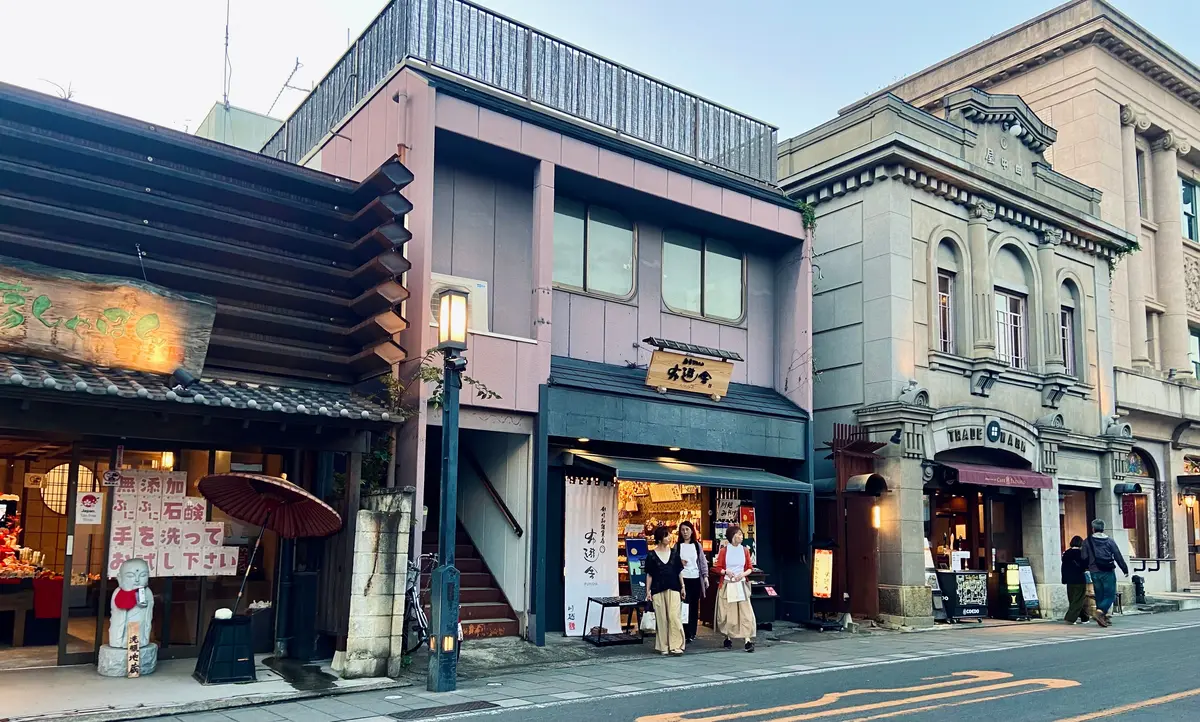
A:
x,y
664,575
695,575
735,616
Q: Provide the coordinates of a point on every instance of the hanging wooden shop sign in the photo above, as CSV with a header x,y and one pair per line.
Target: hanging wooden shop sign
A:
x,y
695,374
102,320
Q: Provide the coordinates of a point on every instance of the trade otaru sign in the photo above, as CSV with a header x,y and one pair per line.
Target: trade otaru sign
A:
x,y
990,434
100,320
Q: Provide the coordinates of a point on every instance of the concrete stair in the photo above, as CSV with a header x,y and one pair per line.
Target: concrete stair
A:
x,y
483,610
1174,601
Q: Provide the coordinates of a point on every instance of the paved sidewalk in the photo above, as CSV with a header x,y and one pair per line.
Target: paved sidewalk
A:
x,y
645,674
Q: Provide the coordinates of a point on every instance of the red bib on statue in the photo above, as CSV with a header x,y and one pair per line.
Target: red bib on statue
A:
x,y
126,599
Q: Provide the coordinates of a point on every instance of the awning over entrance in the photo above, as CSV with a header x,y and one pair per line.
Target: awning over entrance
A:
x,y
678,472
999,476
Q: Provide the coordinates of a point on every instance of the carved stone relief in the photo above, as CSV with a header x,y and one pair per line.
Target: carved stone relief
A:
x,y
1191,275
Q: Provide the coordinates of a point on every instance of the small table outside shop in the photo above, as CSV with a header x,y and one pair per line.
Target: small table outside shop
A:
x,y
18,603
628,606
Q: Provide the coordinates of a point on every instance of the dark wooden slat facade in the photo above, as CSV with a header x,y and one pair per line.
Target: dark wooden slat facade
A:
x,y
306,268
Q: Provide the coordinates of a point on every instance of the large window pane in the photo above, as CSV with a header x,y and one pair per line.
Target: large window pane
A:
x,y
681,267
609,253
722,281
569,224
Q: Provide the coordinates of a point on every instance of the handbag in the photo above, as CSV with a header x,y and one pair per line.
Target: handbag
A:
x,y
735,592
683,612
649,622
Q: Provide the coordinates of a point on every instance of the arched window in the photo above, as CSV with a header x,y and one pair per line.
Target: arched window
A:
x,y
948,265
1069,328
1013,281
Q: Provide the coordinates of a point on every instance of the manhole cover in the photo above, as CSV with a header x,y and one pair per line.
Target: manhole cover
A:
x,y
443,710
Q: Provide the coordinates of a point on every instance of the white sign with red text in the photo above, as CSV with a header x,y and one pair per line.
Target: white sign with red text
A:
x,y
155,520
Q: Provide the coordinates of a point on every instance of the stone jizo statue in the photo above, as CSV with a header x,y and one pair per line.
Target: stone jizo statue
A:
x,y
131,602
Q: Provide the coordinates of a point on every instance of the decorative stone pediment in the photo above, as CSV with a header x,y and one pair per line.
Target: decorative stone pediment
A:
x,y
1005,111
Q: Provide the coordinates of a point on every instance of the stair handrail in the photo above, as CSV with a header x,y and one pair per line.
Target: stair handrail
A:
x,y
491,490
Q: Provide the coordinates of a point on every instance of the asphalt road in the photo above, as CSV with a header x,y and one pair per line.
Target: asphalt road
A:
x,y
1146,677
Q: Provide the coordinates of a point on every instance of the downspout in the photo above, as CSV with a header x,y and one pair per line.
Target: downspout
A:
x,y
541,474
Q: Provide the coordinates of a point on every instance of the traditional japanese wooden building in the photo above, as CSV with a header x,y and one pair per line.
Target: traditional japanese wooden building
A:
x,y
172,304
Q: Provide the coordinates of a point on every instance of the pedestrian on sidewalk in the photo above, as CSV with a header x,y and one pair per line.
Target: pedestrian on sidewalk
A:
x,y
1073,576
695,575
735,616
1102,556
664,576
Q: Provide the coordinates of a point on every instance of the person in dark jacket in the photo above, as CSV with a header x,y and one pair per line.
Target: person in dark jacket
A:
x,y
1102,556
1072,576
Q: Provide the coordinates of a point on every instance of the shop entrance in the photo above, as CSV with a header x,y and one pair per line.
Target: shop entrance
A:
x,y
973,529
1193,534
55,537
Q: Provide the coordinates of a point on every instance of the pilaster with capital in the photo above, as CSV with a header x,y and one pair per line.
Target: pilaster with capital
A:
x,y
982,304
1047,256
1168,247
1133,122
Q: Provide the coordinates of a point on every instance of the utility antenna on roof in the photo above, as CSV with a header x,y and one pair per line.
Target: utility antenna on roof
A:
x,y
227,73
287,84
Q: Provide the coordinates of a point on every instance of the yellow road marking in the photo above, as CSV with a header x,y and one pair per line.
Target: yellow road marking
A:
x,y
929,708
1133,706
962,681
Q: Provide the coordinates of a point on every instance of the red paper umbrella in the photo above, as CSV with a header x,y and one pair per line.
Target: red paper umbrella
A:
x,y
271,503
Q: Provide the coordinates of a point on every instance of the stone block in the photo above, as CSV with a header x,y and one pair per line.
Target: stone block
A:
x,y
113,661
360,667
374,605
363,647
367,627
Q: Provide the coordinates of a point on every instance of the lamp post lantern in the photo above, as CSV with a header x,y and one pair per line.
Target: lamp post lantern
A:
x,y
444,584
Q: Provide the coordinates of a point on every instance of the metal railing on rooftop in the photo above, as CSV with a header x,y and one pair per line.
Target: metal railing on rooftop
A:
x,y
476,43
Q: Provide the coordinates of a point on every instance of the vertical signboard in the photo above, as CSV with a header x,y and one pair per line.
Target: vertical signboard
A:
x,y
590,547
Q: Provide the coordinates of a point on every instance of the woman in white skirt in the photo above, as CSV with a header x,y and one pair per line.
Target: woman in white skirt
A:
x,y
735,616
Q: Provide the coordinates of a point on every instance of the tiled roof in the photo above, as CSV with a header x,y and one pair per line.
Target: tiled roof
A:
x,y
69,378
625,381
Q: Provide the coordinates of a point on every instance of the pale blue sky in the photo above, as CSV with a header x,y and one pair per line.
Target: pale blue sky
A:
x,y
792,63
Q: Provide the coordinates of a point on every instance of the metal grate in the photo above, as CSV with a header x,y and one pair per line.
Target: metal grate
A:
x,y
442,711
475,43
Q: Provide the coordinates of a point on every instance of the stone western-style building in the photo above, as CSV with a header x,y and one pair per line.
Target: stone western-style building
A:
x,y
1127,110
962,311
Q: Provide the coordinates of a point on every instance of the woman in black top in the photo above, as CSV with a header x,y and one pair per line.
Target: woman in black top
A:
x,y
1072,575
664,574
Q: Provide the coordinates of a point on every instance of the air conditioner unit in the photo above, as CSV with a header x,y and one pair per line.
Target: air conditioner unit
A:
x,y
477,299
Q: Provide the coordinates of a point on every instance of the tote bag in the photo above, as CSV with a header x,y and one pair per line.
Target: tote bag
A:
x,y
735,592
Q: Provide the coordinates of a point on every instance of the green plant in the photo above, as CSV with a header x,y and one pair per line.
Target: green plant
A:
x,y
808,214
376,461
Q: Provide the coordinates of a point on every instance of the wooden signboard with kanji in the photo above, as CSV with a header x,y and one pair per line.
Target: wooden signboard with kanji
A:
x,y
102,321
696,374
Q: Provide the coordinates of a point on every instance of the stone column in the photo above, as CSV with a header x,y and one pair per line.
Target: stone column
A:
x,y
1047,256
1133,121
982,303
1042,546
1168,245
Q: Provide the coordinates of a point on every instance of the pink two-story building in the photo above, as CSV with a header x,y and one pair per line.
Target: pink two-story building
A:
x,y
616,234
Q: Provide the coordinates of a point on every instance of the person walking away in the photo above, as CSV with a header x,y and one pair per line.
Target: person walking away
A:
x,y
735,616
664,576
695,575
1073,576
1102,556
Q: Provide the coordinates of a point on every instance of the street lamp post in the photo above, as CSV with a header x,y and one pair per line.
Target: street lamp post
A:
x,y
452,341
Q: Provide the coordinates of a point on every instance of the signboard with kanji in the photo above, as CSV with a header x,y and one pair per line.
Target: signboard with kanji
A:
x,y
679,372
154,519
103,321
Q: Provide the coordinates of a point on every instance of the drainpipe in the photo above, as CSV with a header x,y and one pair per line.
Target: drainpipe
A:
x,y
286,564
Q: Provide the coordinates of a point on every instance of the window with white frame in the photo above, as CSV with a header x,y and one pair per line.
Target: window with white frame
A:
x,y
1011,329
703,276
1066,327
1191,210
593,249
945,311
